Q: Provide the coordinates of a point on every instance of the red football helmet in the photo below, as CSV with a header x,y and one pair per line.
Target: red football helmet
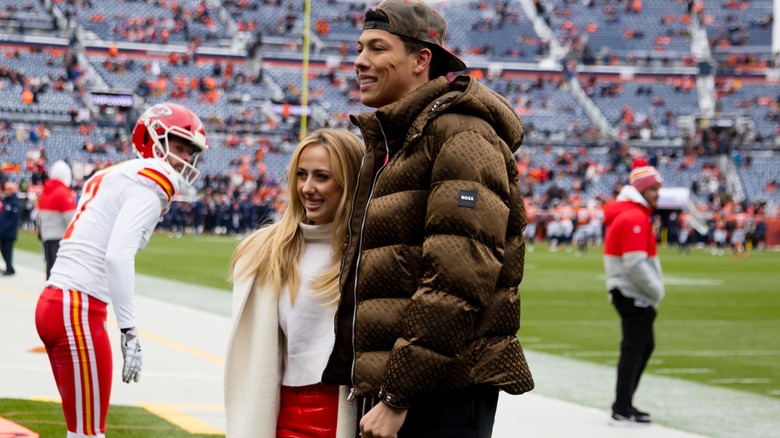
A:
x,y
150,135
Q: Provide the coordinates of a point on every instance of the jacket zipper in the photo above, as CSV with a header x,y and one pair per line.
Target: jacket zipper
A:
x,y
351,396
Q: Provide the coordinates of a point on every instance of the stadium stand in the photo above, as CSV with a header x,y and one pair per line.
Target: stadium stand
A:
x,y
182,21
597,84
612,31
23,17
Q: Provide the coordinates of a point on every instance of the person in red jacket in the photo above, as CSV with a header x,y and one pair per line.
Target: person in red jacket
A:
x,y
56,206
634,281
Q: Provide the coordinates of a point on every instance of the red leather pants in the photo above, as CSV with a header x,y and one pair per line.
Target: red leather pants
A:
x,y
308,411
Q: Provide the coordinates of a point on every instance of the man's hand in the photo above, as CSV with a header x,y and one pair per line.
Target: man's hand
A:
x,y
382,421
131,352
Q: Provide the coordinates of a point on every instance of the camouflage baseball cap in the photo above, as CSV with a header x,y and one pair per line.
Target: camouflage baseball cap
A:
x,y
415,19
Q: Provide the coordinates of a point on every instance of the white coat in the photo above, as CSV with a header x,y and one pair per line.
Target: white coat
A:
x,y
253,367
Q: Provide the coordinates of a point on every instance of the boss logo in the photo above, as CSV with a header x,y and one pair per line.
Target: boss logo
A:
x,y
467,198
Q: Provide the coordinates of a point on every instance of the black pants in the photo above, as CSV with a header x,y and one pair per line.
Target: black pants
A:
x,y
635,348
7,250
50,248
468,413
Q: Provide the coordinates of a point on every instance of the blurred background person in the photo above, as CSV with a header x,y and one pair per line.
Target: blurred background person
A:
x,y
56,205
635,282
10,218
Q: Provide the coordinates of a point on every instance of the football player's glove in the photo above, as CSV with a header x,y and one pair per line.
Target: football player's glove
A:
x,y
131,353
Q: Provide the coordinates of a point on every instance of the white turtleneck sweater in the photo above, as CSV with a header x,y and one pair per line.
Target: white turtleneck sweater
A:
x,y
307,323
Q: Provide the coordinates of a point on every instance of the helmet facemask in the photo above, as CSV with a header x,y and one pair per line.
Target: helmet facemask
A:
x,y
162,150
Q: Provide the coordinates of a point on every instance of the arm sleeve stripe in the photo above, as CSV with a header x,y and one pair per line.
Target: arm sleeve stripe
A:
x,y
160,179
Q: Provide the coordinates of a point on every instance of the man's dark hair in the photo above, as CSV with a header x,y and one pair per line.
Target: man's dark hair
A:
x,y
412,45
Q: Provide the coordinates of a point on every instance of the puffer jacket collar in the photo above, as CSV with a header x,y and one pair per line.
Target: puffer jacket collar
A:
x,y
480,101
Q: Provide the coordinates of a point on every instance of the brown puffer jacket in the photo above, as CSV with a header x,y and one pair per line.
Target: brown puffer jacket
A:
x,y
435,254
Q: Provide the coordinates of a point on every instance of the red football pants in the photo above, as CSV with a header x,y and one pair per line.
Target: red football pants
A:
x,y
72,326
308,411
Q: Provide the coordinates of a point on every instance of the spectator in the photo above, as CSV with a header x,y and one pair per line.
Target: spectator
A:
x,y
10,219
56,206
634,281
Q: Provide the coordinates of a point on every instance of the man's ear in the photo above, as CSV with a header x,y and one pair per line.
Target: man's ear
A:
x,y
424,58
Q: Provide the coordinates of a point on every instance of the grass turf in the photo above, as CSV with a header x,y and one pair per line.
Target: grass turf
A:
x,y
718,324
203,260
45,419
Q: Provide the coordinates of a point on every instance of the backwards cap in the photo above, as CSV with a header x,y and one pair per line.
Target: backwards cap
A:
x,y
415,19
643,176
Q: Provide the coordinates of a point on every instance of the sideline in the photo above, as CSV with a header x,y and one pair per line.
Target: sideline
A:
x,y
183,354
676,403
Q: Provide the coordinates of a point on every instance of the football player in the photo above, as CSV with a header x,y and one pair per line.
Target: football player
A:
x,y
95,266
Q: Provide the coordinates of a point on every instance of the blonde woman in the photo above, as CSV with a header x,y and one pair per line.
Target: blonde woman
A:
x,y
285,293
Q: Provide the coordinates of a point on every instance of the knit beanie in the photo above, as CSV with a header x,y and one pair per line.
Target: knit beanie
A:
x,y
643,176
60,171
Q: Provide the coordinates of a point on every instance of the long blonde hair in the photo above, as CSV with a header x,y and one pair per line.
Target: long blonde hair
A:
x,y
272,253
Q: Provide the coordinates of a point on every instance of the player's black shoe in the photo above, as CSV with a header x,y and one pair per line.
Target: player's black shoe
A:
x,y
630,419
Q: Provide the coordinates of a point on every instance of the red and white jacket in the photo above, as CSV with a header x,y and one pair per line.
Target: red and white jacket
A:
x,y
630,253
55,209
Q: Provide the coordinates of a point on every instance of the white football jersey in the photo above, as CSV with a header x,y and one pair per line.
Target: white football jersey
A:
x,y
118,210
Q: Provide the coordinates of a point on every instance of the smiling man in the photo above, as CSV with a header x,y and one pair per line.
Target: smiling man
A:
x,y
430,309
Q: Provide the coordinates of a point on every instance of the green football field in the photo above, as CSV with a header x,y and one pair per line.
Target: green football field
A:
x,y
718,325
45,419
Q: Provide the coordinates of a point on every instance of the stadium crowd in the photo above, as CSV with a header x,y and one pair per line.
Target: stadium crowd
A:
x,y
563,190
568,168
